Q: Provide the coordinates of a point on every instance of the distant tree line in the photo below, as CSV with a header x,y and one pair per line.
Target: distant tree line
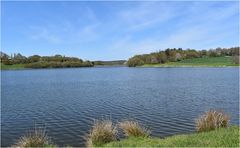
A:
x,y
36,61
178,54
109,63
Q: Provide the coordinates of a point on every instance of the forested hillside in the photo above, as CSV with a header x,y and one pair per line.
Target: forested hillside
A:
x,y
36,61
178,54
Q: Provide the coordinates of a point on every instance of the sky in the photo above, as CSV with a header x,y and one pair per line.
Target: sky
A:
x,y
116,30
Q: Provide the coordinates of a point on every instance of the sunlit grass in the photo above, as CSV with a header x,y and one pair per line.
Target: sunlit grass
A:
x,y
12,67
198,62
223,137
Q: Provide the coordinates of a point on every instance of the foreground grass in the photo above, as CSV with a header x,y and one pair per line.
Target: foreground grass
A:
x,y
198,62
102,132
224,137
12,67
35,138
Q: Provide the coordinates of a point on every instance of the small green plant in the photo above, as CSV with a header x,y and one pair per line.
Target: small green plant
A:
x,y
133,129
101,133
35,138
212,120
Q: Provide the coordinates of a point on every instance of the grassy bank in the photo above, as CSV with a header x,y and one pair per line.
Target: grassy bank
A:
x,y
12,67
224,137
212,130
198,62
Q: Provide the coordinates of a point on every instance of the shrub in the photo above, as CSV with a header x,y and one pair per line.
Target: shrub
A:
x,y
101,133
134,129
135,61
212,120
35,138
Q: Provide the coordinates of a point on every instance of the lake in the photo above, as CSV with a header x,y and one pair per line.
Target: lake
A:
x,y
66,101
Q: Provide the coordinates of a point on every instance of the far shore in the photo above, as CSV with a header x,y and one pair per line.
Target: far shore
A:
x,y
194,62
21,66
185,66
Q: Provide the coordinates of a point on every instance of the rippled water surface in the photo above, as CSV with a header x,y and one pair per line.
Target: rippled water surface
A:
x,y
66,101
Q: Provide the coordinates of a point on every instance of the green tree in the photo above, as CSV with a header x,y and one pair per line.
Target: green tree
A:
x,y
34,58
135,61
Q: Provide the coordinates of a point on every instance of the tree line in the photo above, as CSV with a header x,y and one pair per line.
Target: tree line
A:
x,y
36,61
109,63
160,57
178,54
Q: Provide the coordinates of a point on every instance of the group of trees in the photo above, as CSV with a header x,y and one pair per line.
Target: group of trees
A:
x,y
36,61
173,55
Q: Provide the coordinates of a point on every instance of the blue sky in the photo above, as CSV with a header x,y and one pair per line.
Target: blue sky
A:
x,y
116,30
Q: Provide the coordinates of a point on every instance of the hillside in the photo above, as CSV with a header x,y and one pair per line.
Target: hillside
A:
x,y
198,62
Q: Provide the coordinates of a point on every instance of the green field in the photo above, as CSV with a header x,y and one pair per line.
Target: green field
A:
x,y
12,67
195,62
228,137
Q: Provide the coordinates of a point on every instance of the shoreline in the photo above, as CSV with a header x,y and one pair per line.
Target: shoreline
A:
x,y
186,66
143,66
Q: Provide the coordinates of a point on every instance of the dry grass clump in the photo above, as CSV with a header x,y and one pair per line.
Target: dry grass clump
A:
x,y
101,133
212,120
35,138
134,129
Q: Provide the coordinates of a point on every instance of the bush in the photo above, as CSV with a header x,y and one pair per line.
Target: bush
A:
x,y
135,61
35,138
212,120
101,133
133,129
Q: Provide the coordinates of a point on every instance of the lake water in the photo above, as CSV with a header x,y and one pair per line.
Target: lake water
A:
x,y
66,101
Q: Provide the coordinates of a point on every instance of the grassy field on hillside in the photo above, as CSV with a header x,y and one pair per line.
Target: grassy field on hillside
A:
x,y
225,137
195,62
12,67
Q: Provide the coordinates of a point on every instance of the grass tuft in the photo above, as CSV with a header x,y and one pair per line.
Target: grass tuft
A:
x,y
35,138
133,129
101,133
212,120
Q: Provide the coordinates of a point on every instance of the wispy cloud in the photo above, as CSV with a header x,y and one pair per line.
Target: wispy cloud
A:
x,y
200,25
145,15
67,32
116,30
44,34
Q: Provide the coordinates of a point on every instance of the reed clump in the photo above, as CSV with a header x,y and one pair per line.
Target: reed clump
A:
x,y
35,138
102,132
133,129
212,120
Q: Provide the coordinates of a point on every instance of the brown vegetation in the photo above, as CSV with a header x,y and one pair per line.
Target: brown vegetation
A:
x,y
133,129
212,120
35,138
101,133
